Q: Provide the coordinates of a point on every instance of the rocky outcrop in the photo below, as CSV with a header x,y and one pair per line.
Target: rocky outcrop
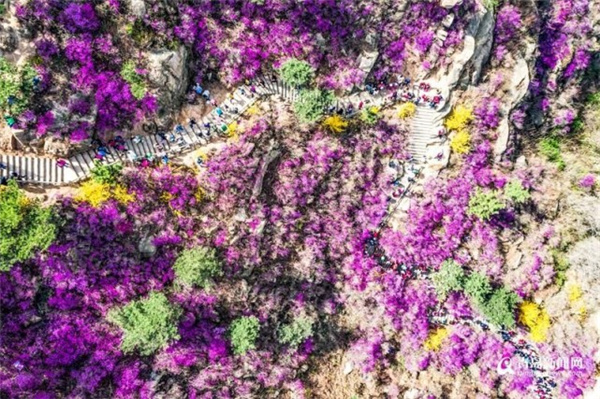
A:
x,y
517,89
136,8
168,75
477,42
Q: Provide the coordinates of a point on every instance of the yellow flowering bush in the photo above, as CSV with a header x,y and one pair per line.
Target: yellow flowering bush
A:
x,y
253,110
407,110
335,124
435,339
120,193
536,319
461,142
575,296
96,193
459,118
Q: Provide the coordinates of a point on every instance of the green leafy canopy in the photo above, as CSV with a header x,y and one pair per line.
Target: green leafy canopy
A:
x,y
297,332
485,204
148,324
244,332
135,80
450,277
296,73
25,226
311,104
106,174
197,267
514,191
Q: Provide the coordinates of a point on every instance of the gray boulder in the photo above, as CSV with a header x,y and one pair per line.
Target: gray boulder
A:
x,y
168,74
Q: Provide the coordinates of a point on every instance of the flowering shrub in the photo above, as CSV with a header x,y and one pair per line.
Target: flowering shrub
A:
x,y
244,332
588,182
461,142
436,338
407,110
148,324
25,226
508,24
335,124
459,118
536,319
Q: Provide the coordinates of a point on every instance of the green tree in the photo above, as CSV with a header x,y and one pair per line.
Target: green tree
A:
x,y
297,332
485,204
136,81
478,287
106,174
197,267
243,333
148,324
25,226
450,277
515,191
500,307
16,87
311,104
296,73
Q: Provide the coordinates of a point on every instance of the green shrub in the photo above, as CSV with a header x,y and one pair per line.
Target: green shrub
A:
x,y
550,148
561,265
296,73
297,332
25,226
106,174
197,267
370,115
593,98
17,85
514,191
136,81
491,4
500,307
244,332
450,277
485,204
148,324
311,104
478,287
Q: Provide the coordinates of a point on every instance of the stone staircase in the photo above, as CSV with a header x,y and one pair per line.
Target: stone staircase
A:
x,y
31,169
426,123
41,170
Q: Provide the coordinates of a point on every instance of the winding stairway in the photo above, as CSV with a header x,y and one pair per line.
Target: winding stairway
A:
x,y
42,170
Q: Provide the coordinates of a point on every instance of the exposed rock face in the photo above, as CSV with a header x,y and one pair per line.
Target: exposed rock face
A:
x,y
136,7
519,83
9,39
450,3
168,73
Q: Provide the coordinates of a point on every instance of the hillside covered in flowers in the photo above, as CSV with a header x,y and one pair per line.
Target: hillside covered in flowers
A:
x,y
331,199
